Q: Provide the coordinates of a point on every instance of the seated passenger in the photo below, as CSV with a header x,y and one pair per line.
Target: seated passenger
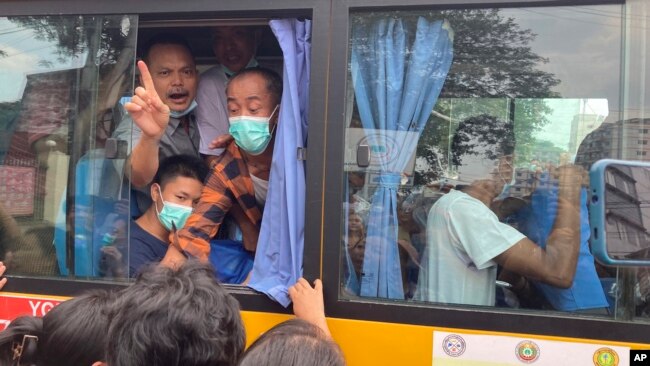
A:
x,y
174,191
178,317
72,333
466,241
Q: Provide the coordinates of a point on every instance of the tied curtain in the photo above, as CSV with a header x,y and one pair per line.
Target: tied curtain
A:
x,y
398,68
278,260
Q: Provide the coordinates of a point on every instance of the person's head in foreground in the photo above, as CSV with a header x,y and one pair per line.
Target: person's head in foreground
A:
x,y
295,342
176,318
72,333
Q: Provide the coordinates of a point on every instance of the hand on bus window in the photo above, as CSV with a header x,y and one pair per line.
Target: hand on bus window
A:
x,y
3,281
146,108
308,303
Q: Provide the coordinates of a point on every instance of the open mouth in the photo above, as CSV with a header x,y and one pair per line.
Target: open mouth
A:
x,y
178,97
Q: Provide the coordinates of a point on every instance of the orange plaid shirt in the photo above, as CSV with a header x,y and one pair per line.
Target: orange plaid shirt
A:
x,y
228,183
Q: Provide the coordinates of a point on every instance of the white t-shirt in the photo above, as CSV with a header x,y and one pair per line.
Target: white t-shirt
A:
x,y
463,238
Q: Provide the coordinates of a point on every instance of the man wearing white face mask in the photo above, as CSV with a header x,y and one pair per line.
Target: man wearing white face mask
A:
x,y
175,190
174,77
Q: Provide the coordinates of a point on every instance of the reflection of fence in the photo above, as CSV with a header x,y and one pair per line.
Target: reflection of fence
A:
x,y
17,189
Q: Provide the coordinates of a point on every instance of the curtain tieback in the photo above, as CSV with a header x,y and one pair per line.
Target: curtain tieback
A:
x,y
389,180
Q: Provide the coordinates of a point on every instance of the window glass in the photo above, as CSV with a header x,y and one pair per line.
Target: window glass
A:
x,y
469,136
62,77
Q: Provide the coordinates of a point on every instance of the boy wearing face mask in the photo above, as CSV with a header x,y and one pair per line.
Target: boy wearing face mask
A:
x,y
175,190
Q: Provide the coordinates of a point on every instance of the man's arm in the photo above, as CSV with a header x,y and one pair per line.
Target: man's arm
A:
x,y
555,265
152,116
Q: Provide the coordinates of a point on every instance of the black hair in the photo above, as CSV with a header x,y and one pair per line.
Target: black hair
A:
x,y
72,333
183,317
163,38
273,80
483,135
181,166
294,342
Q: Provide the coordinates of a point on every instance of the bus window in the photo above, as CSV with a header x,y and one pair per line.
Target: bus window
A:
x,y
62,77
469,134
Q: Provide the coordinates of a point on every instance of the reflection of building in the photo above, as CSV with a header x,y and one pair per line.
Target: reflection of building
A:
x,y
581,126
526,181
39,128
619,140
627,194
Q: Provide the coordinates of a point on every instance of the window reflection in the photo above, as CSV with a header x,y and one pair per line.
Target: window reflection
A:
x,y
524,78
61,78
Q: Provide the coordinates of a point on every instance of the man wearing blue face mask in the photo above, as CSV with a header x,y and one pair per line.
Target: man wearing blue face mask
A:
x,y
175,190
174,78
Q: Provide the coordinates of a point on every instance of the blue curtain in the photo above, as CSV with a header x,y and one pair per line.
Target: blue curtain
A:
x,y
397,74
278,260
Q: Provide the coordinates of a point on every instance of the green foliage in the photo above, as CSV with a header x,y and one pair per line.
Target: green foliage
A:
x,y
495,73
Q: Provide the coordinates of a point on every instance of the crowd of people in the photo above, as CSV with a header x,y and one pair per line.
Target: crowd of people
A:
x,y
181,316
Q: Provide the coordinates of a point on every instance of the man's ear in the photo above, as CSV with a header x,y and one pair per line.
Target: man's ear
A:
x,y
100,363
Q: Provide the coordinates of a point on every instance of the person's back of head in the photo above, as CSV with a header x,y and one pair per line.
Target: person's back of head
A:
x,y
294,342
181,317
72,333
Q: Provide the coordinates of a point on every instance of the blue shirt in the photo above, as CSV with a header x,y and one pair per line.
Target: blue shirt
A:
x,y
536,221
144,248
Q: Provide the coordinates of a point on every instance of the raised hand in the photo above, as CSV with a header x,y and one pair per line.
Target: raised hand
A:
x,y
2,272
146,108
308,303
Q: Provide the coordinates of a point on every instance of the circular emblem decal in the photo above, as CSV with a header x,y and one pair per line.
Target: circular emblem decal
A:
x,y
605,356
527,351
453,345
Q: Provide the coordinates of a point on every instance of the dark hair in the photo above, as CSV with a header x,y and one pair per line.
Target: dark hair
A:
x,y
181,166
181,317
164,38
482,135
273,80
72,333
293,342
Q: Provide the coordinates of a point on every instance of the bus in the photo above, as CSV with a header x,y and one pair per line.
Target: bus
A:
x,y
398,102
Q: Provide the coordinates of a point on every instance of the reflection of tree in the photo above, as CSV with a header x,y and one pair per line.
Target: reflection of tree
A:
x,y
492,59
485,136
107,43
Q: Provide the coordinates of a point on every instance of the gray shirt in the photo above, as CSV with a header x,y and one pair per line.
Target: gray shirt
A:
x,y
174,141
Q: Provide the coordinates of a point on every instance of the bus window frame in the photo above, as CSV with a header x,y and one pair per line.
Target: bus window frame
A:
x,y
316,10
438,315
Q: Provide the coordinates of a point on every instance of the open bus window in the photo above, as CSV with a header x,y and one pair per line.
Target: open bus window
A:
x,y
466,134
61,77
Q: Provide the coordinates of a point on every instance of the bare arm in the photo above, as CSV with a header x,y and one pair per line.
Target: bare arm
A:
x,y
555,265
152,116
